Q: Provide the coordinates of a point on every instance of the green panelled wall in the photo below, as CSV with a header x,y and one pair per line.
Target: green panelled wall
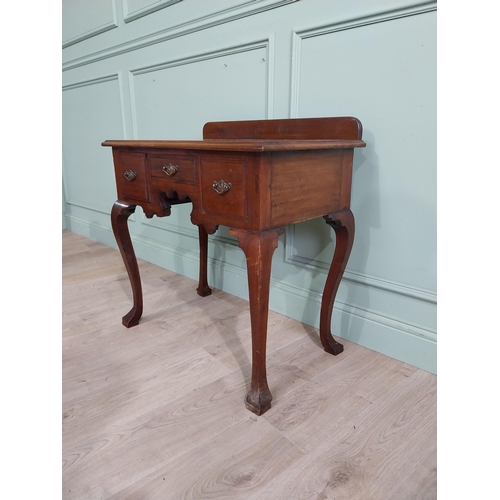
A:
x,y
144,69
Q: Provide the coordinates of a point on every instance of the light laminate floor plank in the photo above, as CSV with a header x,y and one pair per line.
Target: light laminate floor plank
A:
x,y
157,412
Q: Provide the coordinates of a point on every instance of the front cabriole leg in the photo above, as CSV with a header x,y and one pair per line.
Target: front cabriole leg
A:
x,y
203,289
119,215
343,225
259,249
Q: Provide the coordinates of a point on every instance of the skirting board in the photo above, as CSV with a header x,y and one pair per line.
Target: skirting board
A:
x,y
392,338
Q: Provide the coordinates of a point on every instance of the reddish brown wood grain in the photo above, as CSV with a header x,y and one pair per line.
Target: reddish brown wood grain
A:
x,y
250,145
255,177
203,288
305,185
259,248
119,215
343,225
296,129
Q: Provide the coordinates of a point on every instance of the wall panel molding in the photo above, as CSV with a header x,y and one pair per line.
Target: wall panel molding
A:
x,y
360,278
204,56
88,207
298,35
170,227
129,14
89,34
92,81
99,80
96,30
189,231
229,15
112,77
267,44
372,316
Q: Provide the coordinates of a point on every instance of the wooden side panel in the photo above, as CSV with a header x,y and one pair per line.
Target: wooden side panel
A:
x,y
296,128
292,198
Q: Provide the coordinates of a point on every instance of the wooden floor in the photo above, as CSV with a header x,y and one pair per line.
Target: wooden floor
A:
x,y
157,411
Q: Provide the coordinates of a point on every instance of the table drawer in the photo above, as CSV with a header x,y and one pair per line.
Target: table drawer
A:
x,y
223,186
131,175
177,168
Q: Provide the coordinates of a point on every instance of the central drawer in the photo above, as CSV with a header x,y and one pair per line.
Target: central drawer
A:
x,y
176,168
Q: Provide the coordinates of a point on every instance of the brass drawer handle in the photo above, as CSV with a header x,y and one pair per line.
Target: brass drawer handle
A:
x,y
170,169
129,175
221,187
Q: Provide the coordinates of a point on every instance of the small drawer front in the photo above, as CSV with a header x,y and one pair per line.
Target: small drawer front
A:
x,y
223,186
177,168
131,175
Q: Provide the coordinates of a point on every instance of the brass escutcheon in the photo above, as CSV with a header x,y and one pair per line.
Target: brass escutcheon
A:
x,y
221,187
170,169
129,175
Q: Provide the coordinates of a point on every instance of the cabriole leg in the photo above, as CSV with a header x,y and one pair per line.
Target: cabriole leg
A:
x,y
259,249
203,288
119,215
343,225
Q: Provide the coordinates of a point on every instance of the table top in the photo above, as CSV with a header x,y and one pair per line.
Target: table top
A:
x,y
244,145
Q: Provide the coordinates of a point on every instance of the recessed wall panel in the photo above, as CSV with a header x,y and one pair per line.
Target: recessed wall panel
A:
x,y
385,75
83,20
92,113
175,100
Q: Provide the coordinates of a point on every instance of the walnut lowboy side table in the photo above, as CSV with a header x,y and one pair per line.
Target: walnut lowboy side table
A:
x,y
255,177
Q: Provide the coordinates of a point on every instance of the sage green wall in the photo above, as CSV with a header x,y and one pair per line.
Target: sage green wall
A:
x,y
140,69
